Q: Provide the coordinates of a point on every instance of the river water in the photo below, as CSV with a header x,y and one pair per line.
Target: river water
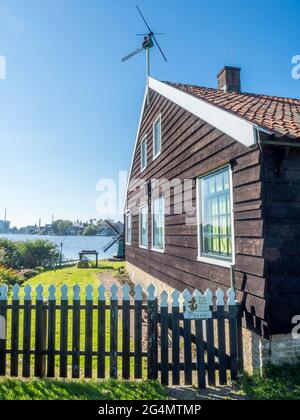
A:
x,y
72,245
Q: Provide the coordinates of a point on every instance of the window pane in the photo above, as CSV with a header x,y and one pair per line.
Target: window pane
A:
x,y
157,137
216,215
144,227
158,225
128,229
143,154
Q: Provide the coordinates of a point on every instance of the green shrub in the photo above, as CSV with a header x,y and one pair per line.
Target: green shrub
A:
x,y
9,276
28,254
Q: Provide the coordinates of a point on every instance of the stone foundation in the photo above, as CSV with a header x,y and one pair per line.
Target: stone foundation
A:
x,y
258,352
278,350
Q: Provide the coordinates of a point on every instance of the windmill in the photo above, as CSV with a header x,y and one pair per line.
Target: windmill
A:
x,y
119,237
149,42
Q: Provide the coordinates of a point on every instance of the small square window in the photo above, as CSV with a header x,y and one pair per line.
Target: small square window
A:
x,y
157,137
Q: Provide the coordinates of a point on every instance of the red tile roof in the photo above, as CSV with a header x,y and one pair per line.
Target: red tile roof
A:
x,y
281,116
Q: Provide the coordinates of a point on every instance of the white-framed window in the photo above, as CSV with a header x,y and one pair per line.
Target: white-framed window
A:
x,y
157,137
144,154
128,229
143,227
158,224
215,218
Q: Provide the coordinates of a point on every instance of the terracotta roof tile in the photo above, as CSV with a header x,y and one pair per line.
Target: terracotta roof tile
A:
x,y
279,115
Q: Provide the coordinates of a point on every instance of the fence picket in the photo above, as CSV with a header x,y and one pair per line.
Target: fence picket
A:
x,y
138,332
221,337
187,345
152,333
88,360
76,333
200,354
51,332
175,339
40,335
114,332
210,344
14,366
126,332
232,313
64,323
3,313
101,332
27,332
164,338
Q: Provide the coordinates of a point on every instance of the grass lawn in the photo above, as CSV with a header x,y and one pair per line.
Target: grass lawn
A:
x,y
276,383
15,389
71,276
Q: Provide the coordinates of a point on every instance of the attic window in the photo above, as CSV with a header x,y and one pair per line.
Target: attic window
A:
x,y
157,137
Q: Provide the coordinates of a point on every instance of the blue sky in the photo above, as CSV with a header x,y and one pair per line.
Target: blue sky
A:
x,y
69,108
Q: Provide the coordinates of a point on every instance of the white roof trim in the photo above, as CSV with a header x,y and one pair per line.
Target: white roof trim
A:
x,y
232,125
136,143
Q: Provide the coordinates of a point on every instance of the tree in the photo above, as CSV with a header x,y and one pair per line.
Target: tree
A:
x,y
90,230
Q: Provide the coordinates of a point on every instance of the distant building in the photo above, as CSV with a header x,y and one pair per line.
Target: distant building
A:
x,y
4,226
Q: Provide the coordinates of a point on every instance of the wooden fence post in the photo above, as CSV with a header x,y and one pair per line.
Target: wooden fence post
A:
x,y
3,313
114,332
27,332
76,333
201,371
15,316
164,338
240,337
187,345
101,331
152,334
232,314
51,331
126,332
221,337
64,323
138,300
175,339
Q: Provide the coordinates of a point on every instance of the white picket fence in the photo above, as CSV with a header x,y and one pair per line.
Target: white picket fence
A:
x,y
195,319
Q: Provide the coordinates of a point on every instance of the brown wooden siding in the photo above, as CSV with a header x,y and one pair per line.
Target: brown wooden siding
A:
x,y
282,235
191,148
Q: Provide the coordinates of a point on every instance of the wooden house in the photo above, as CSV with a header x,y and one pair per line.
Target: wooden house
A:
x,y
213,200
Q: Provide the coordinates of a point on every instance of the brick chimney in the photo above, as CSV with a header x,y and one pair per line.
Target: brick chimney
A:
x,y
229,79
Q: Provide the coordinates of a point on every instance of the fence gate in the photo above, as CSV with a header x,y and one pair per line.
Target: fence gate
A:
x,y
190,339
